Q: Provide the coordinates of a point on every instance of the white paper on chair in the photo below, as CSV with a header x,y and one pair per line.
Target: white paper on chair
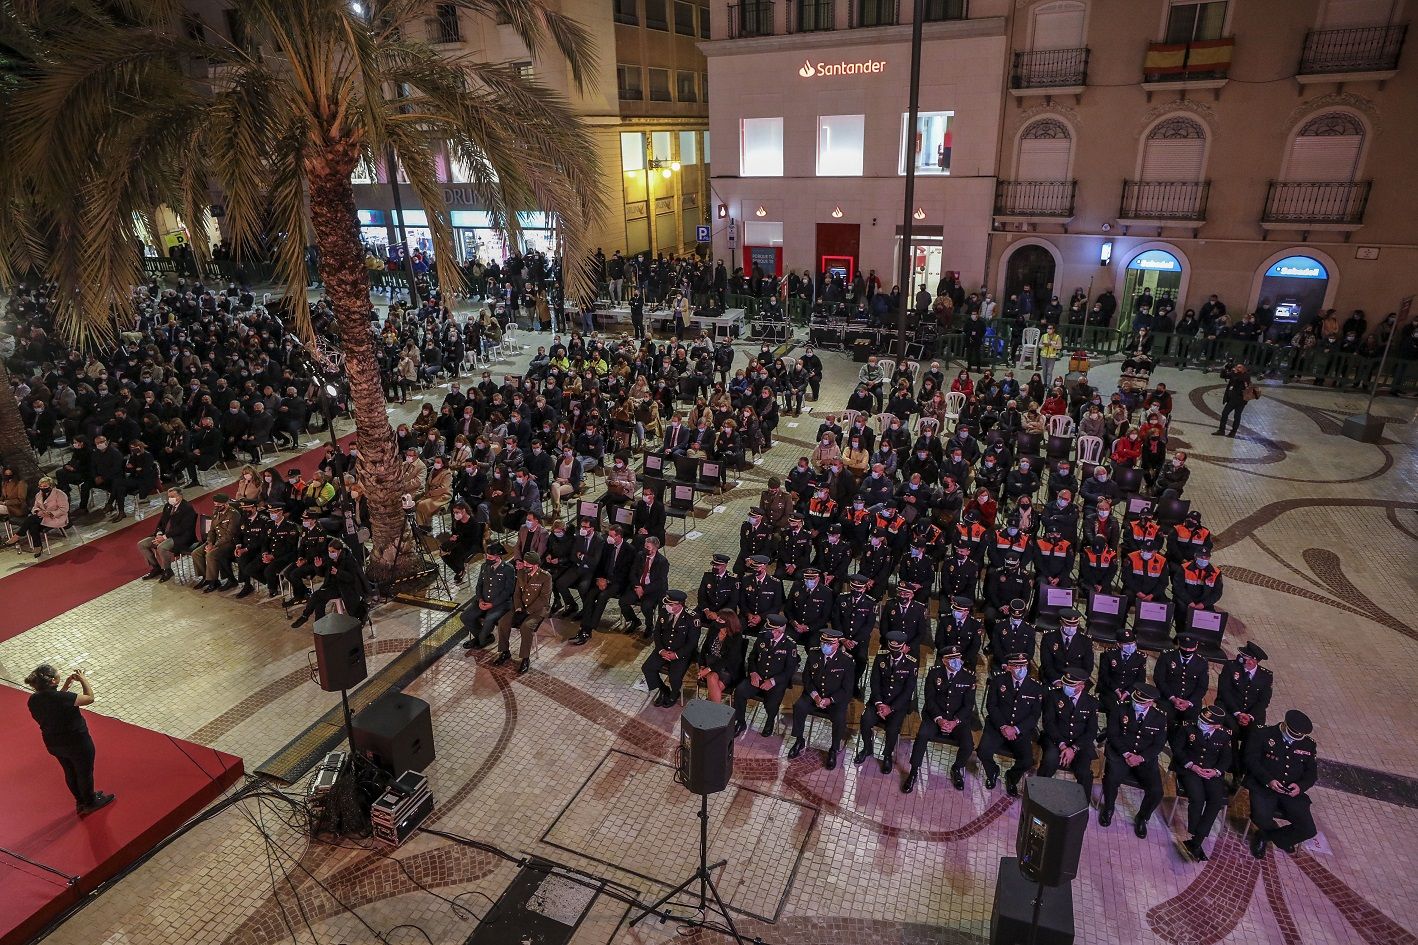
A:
x,y
693,535
792,426
716,510
640,685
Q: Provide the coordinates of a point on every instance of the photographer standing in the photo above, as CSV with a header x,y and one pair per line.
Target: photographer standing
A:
x,y
66,734
1239,392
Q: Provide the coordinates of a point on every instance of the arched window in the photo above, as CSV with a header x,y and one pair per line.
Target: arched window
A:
x,y
1045,147
1175,150
1326,148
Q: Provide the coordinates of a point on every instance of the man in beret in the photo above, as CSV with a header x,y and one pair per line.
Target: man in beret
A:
x,y
1280,768
893,698
1013,704
1204,759
1244,691
770,666
211,559
948,715
1137,730
827,691
497,579
676,635
1070,727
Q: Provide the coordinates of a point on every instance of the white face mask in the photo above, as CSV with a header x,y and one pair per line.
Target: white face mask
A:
x,y
954,665
1020,673
1128,649
173,500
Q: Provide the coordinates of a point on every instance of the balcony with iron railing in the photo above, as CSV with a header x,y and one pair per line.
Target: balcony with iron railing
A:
x,y
1164,201
1371,50
1035,199
750,19
1202,63
1049,71
812,16
1316,205
867,13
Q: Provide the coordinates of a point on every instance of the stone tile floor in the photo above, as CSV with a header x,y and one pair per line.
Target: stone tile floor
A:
x,y
1317,539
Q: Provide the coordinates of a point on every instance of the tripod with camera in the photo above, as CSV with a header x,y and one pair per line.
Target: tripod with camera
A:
x,y
417,539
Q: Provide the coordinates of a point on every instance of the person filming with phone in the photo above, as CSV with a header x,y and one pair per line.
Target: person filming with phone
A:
x,y
65,733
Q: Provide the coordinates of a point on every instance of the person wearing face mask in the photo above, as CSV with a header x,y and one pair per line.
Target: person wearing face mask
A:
x,y
1144,573
1011,634
648,516
893,698
718,589
1244,689
1182,677
809,608
1187,538
1013,703
1173,475
1137,730
1196,585
948,714
613,576
345,584
1099,486
309,558
793,549
175,534
1205,757
1120,668
854,615
1280,768
583,560
959,629
755,538
769,668
917,569
650,579
1011,539
492,598
1127,451
1053,558
463,541
675,636
827,683
760,593
1100,522
48,509
620,481
530,606
1097,567
908,616
1064,647
1071,729
959,575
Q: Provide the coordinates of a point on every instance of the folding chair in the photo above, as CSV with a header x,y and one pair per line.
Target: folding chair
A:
x,y
1027,444
1052,600
1106,613
686,469
711,476
681,505
1153,622
1129,480
653,468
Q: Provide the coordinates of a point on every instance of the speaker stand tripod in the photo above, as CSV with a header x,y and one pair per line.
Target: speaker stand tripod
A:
x,y
705,877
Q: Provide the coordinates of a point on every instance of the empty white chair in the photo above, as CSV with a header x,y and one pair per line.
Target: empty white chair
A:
x,y
954,403
1028,350
1090,450
1060,425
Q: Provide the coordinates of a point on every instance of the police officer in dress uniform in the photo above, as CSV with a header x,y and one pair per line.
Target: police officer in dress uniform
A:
x,y
1070,728
1013,704
1182,677
1244,691
949,715
794,549
676,639
1280,768
917,568
770,667
961,630
497,579
1137,730
755,538
878,559
1065,647
760,594
854,615
834,557
1120,669
827,691
893,698
718,589
907,615
809,608
959,575
1006,584
1011,634
1204,759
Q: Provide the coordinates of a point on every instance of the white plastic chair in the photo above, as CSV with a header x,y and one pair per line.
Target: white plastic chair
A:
x,y
1060,425
1028,350
1089,450
848,417
928,427
881,422
954,403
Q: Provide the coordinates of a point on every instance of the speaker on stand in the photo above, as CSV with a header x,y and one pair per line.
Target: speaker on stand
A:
x,y
1052,821
706,763
340,665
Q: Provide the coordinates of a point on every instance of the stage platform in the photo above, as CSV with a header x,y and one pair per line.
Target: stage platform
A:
x,y
160,783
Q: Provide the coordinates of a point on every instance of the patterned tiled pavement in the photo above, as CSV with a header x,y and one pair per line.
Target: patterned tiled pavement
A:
x,y
1317,537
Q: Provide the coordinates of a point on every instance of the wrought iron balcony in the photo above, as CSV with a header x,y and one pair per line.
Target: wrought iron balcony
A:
x,y
874,13
1201,60
1164,200
1044,199
812,16
1050,68
751,19
1317,203
1365,49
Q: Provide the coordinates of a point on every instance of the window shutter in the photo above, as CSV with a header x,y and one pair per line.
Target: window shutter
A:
x,y
1345,14
1323,158
1059,26
1173,159
1043,159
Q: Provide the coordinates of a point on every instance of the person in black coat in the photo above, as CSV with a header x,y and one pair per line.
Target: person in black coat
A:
x,y
1244,689
894,673
175,534
613,574
1233,399
649,580
463,541
582,564
1280,768
769,668
648,517
1071,729
948,714
718,589
675,637
1205,758
827,691
1063,648
497,579
345,581
907,615
66,735
1014,702
721,655
1137,730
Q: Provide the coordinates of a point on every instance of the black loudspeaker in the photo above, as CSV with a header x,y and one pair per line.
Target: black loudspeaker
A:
x,y
1012,919
706,746
1051,825
339,652
395,732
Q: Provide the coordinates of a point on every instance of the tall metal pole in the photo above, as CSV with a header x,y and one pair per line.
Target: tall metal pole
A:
x,y
408,259
1378,371
649,191
908,290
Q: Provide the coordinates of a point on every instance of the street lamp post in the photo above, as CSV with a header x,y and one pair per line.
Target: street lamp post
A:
x,y
908,276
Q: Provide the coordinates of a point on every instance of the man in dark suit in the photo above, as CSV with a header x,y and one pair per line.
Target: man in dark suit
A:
x,y
1070,728
581,568
677,437
612,575
650,579
175,534
648,517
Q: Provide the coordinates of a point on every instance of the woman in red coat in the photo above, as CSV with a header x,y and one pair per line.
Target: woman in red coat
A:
x,y
962,384
1126,451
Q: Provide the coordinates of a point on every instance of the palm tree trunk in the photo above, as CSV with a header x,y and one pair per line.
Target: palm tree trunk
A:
x,y
333,218
15,449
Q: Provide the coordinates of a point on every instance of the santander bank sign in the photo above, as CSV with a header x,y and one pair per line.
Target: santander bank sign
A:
x,y
818,70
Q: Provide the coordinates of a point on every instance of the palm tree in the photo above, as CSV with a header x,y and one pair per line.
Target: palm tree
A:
x,y
132,107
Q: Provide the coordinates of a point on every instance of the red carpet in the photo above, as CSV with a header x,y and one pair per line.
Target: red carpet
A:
x,y
57,585
160,782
